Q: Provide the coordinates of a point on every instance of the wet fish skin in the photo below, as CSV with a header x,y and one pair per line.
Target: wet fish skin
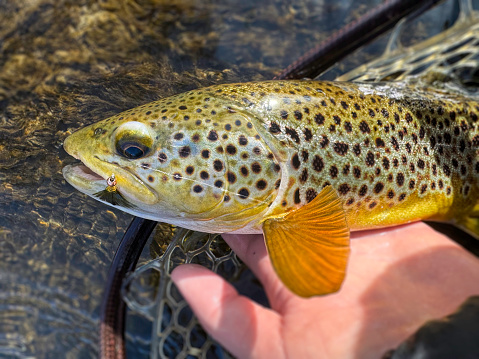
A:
x,y
394,154
303,162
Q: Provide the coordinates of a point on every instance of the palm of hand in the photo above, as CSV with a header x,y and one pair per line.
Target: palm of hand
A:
x,y
397,279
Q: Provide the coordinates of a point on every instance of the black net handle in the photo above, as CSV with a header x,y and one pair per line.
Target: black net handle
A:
x,y
113,308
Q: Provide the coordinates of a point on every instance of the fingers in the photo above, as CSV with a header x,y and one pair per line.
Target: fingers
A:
x,y
252,250
239,324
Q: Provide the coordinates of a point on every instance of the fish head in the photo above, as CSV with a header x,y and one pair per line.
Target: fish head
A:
x,y
199,164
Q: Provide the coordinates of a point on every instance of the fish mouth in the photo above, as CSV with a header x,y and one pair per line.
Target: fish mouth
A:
x,y
90,176
80,172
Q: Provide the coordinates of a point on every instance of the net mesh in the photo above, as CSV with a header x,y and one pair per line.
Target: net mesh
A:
x,y
449,59
176,332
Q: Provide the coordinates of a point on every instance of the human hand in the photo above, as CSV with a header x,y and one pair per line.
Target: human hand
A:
x,y
397,279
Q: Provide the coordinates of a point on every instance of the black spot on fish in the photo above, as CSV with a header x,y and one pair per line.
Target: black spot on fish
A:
x,y
446,170
310,194
297,200
261,185
274,128
357,149
318,163
395,143
162,157
378,187
293,134
230,149
364,127
307,134
347,126
205,154
304,176
370,159
243,193
324,142
343,189
295,161
242,140
357,172
231,177
385,163
341,148
379,142
218,165
256,167
319,119
363,190
184,151
333,171
212,135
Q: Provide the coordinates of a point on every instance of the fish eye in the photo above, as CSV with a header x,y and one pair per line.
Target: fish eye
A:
x,y
133,140
132,150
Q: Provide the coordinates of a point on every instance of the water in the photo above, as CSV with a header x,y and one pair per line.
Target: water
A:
x,y
65,64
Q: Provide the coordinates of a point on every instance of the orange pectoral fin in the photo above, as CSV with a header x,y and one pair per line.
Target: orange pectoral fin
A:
x,y
309,248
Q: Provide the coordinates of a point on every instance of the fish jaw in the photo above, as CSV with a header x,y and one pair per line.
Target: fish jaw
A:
x,y
90,177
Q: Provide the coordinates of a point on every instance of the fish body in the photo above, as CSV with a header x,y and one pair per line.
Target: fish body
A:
x,y
259,156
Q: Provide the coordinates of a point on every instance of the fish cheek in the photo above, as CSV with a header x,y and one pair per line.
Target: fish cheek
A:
x,y
189,178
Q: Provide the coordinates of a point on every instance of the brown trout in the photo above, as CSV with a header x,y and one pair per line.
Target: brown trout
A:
x,y
304,162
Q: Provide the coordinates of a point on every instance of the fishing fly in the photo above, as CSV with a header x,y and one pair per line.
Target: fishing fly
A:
x,y
111,195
